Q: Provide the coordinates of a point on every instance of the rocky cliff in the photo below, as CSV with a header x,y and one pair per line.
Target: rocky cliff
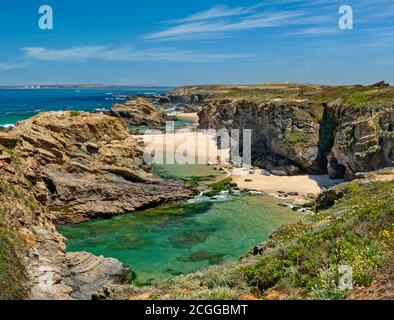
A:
x,y
59,168
87,166
339,130
140,111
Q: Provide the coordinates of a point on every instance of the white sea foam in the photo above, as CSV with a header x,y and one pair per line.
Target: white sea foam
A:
x,y
7,125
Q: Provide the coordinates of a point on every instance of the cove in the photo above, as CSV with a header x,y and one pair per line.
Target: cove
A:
x,y
161,243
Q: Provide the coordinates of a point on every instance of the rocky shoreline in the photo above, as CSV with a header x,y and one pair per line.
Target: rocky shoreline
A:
x,y
70,167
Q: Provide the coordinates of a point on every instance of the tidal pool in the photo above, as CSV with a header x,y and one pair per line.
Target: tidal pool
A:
x,y
160,243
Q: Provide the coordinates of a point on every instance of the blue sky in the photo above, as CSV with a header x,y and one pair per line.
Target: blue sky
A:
x,y
172,42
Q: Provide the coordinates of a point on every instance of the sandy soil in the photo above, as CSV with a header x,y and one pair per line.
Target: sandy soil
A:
x,y
302,184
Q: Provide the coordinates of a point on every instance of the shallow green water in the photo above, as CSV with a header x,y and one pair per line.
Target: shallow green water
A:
x,y
176,171
163,242
141,129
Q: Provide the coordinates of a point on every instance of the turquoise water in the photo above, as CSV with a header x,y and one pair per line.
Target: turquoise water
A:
x,y
160,243
176,171
18,104
140,130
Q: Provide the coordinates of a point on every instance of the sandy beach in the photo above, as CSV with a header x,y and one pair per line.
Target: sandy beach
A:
x,y
183,147
191,147
302,184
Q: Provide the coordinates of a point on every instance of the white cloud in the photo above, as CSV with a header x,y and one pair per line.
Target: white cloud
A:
x,y
6,66
315,31
219,11
204,28
125,53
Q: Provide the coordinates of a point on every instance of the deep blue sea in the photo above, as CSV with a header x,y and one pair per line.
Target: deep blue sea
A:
x,y
21,104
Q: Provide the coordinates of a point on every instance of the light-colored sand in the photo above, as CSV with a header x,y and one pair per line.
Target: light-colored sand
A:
x,y
190,147
302,184
183,147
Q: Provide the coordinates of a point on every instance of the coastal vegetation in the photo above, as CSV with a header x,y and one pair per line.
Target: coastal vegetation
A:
x,y
13,276
300,261
72,167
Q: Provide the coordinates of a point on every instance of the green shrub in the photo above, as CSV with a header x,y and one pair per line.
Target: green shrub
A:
x,y
13,275
74,113
349,234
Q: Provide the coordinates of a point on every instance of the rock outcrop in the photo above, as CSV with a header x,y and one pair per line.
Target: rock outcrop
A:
x,y
90,274
317,135
364,140
69,167
284,137
184,99
87,166
44,270
140,111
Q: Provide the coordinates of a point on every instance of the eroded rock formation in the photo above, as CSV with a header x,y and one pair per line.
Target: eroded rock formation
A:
x,y
305,137
69,167
140,111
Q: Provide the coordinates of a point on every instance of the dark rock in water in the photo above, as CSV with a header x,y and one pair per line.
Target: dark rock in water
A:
x,y
164,99
140,111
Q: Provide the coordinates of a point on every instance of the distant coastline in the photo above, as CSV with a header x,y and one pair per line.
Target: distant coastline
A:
x,y
82,86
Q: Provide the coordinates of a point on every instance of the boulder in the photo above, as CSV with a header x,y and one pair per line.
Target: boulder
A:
x,y
140,111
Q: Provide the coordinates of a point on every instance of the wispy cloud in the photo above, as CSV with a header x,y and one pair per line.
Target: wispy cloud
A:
x,y
313,18
6,66
315,31
206,27
125,53
219,11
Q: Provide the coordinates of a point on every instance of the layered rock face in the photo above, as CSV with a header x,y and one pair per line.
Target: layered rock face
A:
x,y
45,271
69,167
87,166
364,140
140,111
284,137
293,137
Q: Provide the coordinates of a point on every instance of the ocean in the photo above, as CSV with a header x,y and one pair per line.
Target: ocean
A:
x,y
21,104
